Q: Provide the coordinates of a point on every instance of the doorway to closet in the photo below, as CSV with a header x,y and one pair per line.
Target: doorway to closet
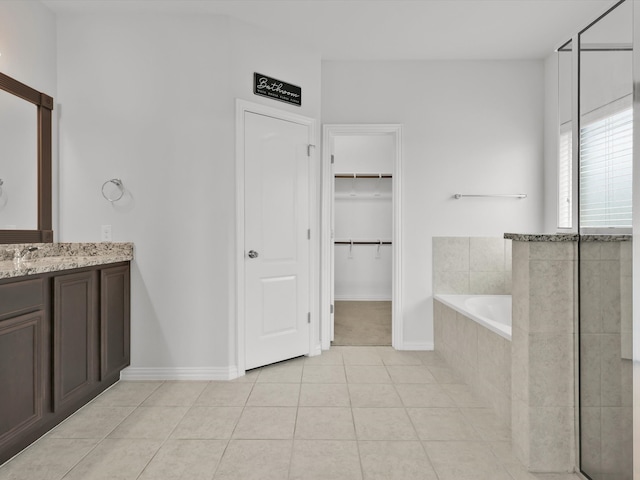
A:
x,y
361,245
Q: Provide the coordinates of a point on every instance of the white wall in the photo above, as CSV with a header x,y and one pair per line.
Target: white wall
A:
x,y
469,127
257,50
364,153
145,98
150,99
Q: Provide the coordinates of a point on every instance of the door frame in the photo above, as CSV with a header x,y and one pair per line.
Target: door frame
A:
x,y
242,107
329,132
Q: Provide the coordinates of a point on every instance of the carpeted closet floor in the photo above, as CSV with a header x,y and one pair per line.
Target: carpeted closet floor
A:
x,y
362,323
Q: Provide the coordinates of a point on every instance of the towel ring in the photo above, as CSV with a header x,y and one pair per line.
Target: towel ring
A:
x,y
118,183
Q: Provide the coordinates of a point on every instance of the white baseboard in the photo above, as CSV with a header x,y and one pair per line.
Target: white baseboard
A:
x,y
179,373
417,346
362,298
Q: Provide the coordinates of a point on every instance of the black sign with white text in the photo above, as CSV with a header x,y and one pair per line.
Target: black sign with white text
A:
x,y
277,89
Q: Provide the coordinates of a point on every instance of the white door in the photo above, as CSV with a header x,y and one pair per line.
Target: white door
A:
x,y
276,253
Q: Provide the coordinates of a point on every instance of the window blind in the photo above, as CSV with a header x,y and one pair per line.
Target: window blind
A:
x,y
565,177
606,157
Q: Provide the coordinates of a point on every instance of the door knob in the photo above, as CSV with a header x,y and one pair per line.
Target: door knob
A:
x,y
253,254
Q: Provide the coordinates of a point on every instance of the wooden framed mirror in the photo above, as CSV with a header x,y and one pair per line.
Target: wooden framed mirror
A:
x,y
42,233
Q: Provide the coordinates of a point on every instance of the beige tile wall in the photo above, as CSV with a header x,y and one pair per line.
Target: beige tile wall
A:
x,y
532,378
542,352
481,357
464,265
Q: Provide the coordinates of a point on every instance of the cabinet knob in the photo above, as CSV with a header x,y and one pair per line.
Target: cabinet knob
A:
x,y
253,254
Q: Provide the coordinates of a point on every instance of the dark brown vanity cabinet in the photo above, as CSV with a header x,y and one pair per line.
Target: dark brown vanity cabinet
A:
x,y
114,322
75,337
24,359
64,337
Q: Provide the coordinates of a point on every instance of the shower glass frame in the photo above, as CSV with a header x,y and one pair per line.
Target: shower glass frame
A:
x,y
575,46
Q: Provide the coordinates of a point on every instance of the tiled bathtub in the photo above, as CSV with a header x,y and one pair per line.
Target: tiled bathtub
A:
x,y
478,351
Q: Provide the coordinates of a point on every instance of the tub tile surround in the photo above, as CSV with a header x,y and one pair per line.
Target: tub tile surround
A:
x,y
463,265
52,257
530,381
543,408
605,351
481,357
474,265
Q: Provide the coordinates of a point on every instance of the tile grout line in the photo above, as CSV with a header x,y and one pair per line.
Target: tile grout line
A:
x,y
295,423
226,447
164,442
353,419
406,409
101,441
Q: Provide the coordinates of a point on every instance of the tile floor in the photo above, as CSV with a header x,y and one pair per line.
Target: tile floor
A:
x,y
351,413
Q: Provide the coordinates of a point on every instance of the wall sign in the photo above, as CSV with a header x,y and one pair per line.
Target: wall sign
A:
x,y
266,86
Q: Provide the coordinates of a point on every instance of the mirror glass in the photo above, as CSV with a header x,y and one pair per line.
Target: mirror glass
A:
x,y
18,163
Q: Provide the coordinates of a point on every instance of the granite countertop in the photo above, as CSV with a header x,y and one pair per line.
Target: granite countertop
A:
x,y
606,238
53,257
565,237
542,237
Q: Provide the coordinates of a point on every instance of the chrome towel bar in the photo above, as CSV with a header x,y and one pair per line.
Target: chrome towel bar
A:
x,y
363,175
362,243
508,195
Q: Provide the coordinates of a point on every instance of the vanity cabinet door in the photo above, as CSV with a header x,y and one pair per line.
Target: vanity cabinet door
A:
x,y
75,337
114,321
22,375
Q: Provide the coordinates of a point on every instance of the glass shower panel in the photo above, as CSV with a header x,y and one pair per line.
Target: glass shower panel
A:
x,y
565,156
605,146
606,136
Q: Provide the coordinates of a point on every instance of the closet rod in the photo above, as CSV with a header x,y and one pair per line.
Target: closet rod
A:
x,y
363,175
362,243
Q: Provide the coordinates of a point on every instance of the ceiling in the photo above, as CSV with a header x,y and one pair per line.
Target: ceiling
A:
x,y
391,29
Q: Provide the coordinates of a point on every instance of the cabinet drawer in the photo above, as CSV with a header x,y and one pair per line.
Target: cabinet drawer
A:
x,y
22,296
